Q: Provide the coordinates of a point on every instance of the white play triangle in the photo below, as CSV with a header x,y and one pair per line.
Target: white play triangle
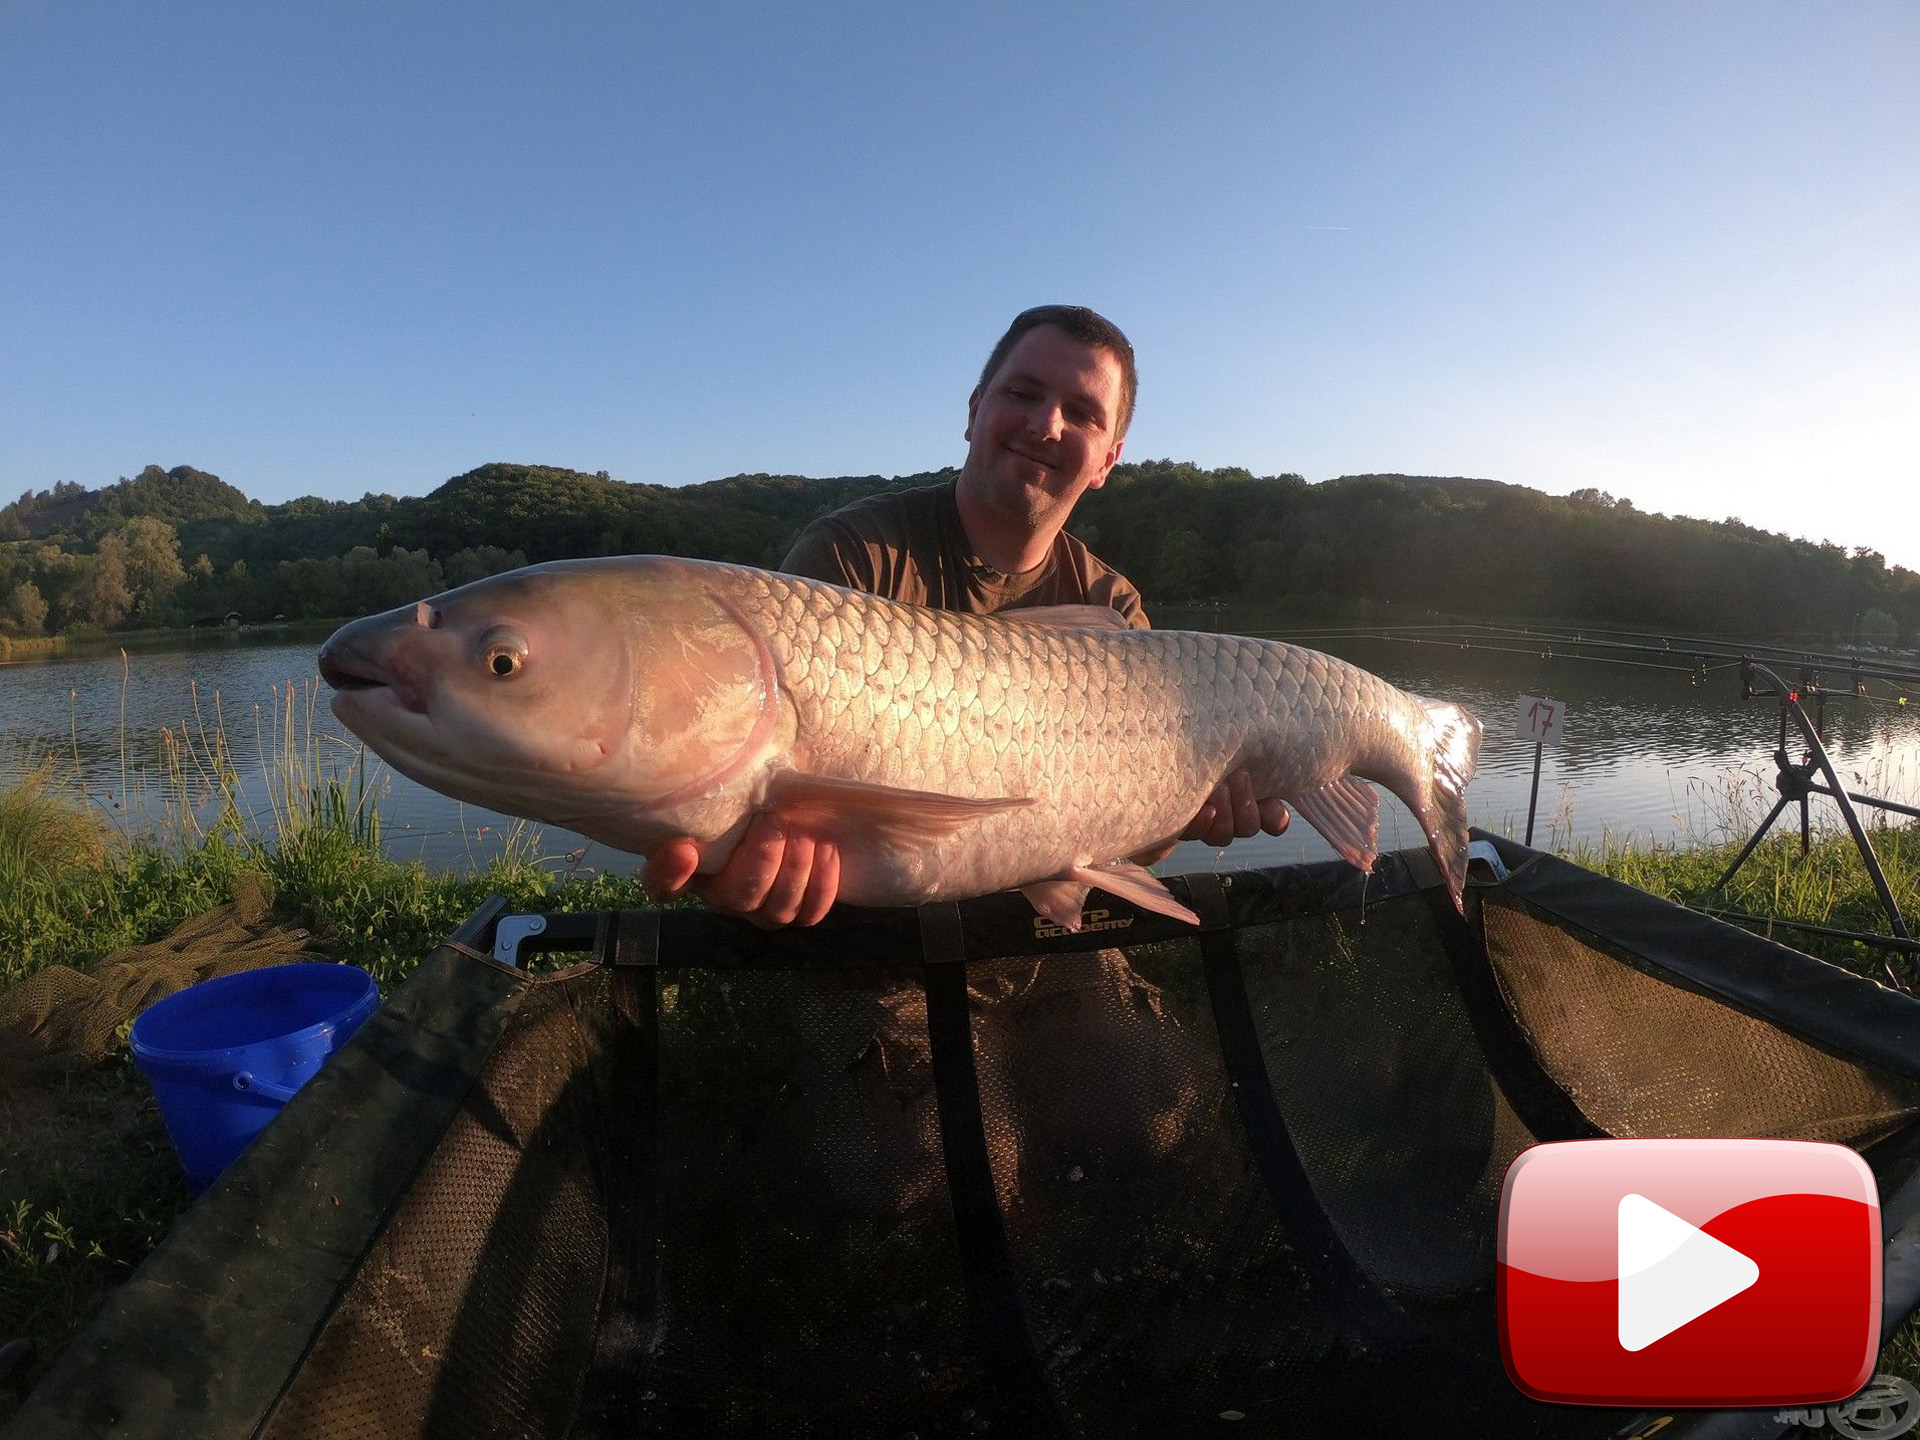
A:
x,y
1671,1272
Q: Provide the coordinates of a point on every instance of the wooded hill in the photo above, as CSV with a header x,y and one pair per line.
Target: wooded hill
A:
x,y
171,546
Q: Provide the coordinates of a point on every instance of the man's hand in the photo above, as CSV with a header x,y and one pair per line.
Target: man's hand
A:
x,y
774,876
1230,813
1233,813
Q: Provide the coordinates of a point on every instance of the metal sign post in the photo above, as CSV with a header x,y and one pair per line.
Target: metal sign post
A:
x,y
1541,721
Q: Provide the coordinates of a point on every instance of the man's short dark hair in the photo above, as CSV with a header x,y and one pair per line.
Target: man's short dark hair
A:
x,y
1089,327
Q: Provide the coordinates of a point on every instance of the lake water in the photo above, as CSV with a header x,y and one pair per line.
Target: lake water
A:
x,y
1648,755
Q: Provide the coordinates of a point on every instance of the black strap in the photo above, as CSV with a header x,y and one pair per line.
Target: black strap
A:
x,y
1207,897
632,1117
637,940
993,1293
1536,1097
1317,1245
632,1211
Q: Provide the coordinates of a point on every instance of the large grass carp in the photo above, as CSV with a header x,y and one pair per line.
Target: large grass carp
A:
x,y
645,698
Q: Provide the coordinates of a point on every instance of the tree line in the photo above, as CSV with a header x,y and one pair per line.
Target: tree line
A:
x,y
171,547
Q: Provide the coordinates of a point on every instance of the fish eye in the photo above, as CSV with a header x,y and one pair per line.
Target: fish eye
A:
x,y
504,652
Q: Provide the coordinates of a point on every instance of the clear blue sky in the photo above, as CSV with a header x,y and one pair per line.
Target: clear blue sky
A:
x,y
1671,250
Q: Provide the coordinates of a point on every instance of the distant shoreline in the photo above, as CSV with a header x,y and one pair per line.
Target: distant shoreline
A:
x,y
18,650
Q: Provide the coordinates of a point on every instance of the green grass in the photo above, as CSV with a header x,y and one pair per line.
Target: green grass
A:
x,y
1828,886
88,1187
88,1183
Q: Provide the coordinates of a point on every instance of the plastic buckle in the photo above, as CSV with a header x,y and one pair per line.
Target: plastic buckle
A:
x,y
1483,851
510,931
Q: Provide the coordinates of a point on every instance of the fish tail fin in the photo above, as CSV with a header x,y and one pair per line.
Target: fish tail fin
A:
x,y
1452,751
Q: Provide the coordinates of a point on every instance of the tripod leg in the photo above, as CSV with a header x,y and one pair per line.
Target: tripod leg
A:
x,y
1752,845
1867,856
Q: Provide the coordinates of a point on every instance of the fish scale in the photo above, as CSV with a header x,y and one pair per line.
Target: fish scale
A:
x,y
1118,735
945,755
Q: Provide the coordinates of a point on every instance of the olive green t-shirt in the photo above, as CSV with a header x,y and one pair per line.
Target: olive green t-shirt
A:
x,y
910,545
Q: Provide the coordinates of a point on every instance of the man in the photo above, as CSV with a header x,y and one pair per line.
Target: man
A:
x,y
1045,425
1113,1086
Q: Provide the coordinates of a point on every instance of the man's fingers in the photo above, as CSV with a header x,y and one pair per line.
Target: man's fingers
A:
x,y
668,869
1215,821
1246,808
823,886
1203,820
1233,812
772,878
740,886
789,886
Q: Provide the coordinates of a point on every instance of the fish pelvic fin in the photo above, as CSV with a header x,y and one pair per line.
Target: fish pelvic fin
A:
x,y
1453,750
1133,883
1061,901
1064,897
1346,812
849,808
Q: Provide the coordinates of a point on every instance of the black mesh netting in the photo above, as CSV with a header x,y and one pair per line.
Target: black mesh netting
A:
x,y
1644,1057
466,1317
919,1174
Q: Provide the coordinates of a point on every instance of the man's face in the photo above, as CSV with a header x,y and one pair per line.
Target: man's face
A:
x,y
1041,431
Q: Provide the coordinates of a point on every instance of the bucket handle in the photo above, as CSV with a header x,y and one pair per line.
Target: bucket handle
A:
x,y
251,1083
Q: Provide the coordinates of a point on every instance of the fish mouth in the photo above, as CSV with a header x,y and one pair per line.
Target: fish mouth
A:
x,y
352,674
348,675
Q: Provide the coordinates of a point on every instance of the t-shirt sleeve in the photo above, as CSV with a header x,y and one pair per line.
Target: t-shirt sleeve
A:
x,y
1116,591
827,551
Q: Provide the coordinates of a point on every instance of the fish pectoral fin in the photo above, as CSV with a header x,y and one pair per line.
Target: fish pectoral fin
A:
x,y
848,808
1134,884
1347,813
1061,901
1068,617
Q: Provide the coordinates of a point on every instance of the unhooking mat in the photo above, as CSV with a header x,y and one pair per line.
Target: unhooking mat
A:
x,y
953,1172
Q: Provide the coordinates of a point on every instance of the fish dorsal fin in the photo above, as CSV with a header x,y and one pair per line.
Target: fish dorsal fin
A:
x,y
1068,617
856,807
1347,812
1062,898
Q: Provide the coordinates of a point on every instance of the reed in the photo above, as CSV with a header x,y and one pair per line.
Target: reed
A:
x,y
57,858
45,835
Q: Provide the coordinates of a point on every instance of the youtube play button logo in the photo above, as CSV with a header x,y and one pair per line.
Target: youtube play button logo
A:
x,y
1689,1272
1671,1273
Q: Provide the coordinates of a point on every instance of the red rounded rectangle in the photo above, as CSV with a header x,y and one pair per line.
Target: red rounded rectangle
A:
x,y
1689,1272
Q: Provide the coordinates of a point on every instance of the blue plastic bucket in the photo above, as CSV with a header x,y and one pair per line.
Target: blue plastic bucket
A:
x,y
223,1056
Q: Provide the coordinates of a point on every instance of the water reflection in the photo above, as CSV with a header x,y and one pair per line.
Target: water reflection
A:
x,y
1647,754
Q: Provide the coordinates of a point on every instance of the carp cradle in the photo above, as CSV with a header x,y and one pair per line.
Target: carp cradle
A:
x,y
681,1188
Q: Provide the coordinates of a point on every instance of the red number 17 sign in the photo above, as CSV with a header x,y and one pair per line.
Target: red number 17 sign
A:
x,y
1540,719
